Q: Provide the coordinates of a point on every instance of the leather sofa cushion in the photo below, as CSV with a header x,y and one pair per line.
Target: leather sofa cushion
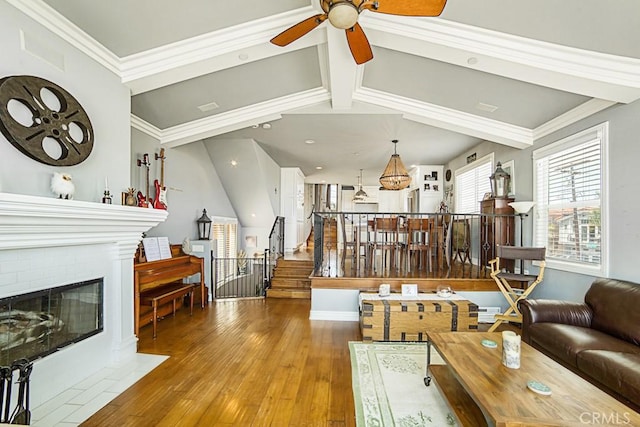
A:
x,y
615,308
617,371
566,341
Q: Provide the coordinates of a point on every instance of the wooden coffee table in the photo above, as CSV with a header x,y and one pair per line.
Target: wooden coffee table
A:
x,y
481,391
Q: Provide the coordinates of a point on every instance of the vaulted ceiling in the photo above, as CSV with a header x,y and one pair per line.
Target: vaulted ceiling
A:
x,y
507,71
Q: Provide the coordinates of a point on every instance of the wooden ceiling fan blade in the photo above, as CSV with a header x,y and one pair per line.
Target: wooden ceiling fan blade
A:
x,y
358,44
408,7
300,29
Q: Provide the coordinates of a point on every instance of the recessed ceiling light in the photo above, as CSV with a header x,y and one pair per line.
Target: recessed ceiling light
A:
x,y
266,126
234,163
309,141
319,167
323,181
255,126
472,60
486,107
243,57
208,107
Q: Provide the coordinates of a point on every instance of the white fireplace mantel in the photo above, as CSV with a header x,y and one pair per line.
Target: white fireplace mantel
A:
x,y
47,242
38,222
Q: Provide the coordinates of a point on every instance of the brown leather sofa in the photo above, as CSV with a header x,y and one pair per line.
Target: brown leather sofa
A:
x,y
598,339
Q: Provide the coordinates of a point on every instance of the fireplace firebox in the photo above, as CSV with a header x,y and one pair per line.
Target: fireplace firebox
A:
x,y
39,323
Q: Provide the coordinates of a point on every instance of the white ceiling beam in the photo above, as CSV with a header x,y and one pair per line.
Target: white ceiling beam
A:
x,y
446,118
240,118
342,69
588,73
214,51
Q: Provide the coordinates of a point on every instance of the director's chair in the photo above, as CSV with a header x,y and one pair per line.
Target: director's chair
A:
x,y
527,282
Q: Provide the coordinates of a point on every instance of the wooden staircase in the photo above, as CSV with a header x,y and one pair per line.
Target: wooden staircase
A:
x,y
291,279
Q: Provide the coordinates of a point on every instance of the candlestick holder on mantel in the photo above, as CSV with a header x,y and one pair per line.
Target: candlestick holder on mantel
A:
x,y
106,199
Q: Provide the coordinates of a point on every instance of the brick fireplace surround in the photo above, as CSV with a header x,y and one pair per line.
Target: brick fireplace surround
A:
x,y
46,242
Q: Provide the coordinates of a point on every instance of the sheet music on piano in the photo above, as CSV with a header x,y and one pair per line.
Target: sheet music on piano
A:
x,y
156,248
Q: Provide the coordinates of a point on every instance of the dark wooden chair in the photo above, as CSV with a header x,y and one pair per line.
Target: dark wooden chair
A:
x,y
419,242
386,240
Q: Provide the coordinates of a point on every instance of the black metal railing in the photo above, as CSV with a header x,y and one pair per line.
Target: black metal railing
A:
x,y
439,245
275,249
238,277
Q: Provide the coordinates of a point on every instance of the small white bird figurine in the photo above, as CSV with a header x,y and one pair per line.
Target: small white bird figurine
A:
x,y
62,186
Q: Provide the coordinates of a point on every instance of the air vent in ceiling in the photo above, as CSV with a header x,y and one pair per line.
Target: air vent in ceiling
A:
x,y
208,107
486,107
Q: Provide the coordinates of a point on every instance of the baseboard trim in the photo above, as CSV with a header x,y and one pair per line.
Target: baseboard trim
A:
x,y
340,316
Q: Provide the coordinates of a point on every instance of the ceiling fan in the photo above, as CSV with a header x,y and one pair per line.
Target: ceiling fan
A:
x,y
343,14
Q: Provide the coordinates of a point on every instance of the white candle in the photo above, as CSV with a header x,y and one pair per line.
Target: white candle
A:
x,y
511,349
106,183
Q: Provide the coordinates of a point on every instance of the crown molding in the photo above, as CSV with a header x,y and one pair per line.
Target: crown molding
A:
x,y
240,117
572,116
146,127
589,73
215,44
50,19
446,118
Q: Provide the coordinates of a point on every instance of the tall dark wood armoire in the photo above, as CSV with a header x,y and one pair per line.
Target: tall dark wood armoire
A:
x,y
498,229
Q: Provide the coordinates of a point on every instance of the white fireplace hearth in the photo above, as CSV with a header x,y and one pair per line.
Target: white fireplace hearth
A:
x,y
46,242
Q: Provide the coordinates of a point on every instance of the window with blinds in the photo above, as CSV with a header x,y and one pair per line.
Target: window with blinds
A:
x,y
570,183
471,183
225,233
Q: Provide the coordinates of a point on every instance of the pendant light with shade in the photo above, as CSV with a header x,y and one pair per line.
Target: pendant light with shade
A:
x,y
360,194
395,175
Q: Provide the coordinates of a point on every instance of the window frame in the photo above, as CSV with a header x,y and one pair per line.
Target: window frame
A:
x,y
601,133
489,158
225,222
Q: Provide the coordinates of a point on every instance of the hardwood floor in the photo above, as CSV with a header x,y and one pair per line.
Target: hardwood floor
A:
x,y
244,363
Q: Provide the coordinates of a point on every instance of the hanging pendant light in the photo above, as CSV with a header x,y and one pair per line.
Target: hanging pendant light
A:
x,y
360,194
395,175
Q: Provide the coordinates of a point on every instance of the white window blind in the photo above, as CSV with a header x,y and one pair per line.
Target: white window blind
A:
x,y
569,184
225,232
471,183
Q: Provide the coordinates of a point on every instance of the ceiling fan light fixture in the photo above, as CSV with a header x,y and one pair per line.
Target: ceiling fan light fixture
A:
x,y
395,175
343,15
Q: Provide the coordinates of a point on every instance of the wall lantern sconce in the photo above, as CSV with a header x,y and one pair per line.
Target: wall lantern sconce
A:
x,y
204,226
500,182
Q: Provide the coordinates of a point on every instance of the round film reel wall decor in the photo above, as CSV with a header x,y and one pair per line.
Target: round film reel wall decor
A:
x,y
44,121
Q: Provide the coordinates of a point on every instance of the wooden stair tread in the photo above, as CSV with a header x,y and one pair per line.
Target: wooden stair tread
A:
x,y
290,283
289,293
291,279
465,408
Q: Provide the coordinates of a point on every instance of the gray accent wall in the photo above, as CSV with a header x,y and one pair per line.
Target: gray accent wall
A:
x,y
99,91
192,185
623,192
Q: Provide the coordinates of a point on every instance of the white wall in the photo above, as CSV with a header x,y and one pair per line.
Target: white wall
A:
x,y
192,185
252,185
291,207
100,93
